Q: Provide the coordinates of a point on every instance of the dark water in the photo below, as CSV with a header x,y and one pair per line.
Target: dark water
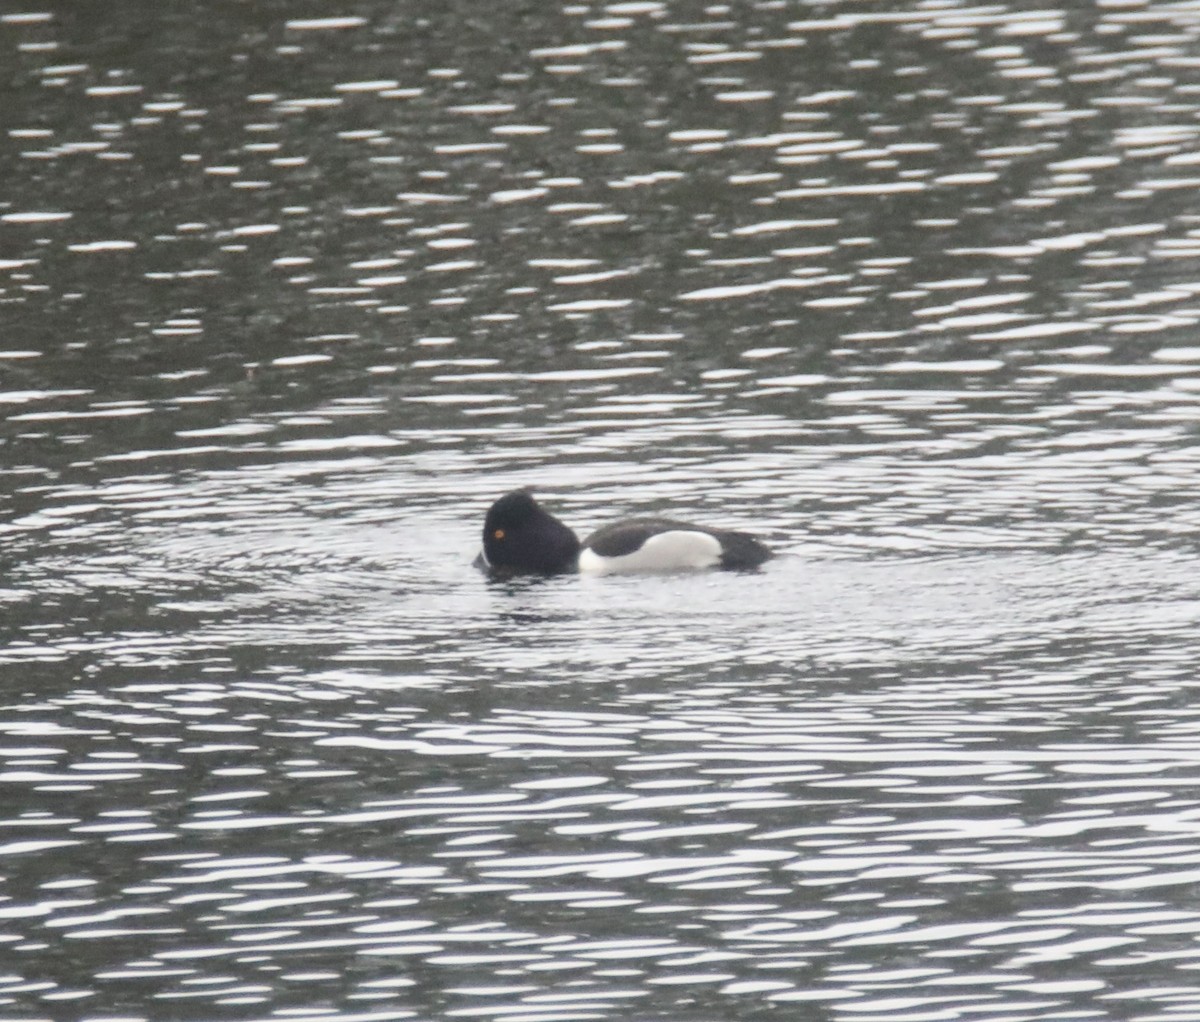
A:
x,y
290,292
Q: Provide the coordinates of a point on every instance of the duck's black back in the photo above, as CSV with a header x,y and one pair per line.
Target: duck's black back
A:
x,y
738,549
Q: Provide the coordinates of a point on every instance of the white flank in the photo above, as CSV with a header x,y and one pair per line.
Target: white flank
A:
x,y
666,551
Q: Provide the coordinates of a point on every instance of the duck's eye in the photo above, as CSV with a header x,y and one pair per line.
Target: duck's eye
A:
x,y
498,534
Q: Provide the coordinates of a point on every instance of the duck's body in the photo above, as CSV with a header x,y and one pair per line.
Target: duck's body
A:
x,y
519,537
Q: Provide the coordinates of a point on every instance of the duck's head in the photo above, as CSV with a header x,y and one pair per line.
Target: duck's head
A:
x,y
520,538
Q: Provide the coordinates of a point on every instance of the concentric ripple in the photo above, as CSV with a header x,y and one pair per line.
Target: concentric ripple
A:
x,y
291,296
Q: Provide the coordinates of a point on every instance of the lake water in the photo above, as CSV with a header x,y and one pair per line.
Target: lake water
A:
x,y
290,293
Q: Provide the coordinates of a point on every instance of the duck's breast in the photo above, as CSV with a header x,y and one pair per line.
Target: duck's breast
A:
x,y
649,546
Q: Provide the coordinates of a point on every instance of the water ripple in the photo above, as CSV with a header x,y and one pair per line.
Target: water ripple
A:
x,y
906,292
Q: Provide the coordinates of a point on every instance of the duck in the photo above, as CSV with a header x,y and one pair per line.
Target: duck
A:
x,y
520,537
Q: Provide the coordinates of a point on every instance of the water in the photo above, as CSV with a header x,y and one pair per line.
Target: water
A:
x,y
289,294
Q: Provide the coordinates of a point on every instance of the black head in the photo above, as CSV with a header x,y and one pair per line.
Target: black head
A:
x,y
519,537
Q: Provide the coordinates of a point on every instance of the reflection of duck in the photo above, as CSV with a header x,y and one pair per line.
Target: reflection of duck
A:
x,y
521,538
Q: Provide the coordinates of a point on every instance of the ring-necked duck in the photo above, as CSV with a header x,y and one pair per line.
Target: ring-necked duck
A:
x,y
519,537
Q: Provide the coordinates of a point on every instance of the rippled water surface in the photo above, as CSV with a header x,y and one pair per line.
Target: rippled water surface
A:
x,y
290,292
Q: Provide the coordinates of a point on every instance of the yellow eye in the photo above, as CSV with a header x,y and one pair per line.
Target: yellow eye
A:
x,y
499,534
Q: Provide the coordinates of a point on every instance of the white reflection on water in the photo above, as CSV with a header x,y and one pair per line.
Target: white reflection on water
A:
x,y
763,832
908,292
